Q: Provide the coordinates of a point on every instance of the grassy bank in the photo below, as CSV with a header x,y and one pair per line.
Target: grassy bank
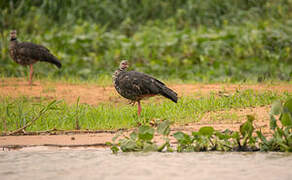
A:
x,y
15,113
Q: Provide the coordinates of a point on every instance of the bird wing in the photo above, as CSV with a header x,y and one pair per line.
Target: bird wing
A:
x,y
151,78
151,86
139,83
33,51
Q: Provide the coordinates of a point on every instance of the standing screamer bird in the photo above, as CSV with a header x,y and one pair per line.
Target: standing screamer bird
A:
x,y
136,86
26,53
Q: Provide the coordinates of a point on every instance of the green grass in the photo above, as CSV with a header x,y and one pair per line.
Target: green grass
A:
x,y
17,112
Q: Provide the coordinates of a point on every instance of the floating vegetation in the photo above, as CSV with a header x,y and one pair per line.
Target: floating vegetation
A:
x,y
208,139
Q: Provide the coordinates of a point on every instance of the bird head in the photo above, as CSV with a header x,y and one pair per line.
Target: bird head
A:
x,y
13,35
124,65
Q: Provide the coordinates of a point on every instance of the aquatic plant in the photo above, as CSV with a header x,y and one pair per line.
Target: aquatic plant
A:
x,y
142,139
281,127
208,139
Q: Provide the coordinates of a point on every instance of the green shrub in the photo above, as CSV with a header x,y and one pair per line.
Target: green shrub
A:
x,y
203,40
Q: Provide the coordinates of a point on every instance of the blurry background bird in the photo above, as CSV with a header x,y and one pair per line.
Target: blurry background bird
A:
x,y
26,53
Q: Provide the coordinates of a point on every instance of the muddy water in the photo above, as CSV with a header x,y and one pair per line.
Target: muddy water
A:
x,y
44,163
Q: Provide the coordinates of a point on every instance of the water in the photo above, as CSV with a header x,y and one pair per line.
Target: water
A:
x,y
50,163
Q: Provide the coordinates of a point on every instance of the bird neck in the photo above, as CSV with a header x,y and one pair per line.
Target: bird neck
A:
x,y
13,43
122,69
13,39
116,73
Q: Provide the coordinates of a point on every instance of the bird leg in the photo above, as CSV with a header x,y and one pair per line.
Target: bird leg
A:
x,y
30,74
139,108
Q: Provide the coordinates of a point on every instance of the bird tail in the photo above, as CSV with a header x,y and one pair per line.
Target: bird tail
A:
x,y
53,60
168,93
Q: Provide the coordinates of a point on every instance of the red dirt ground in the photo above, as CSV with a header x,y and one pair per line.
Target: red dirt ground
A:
x,y
95,94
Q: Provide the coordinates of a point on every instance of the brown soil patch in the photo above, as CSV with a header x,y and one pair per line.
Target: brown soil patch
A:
x,y
95,94
73,140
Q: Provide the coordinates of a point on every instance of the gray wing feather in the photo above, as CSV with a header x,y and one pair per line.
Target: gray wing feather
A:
x,y
138,83
33,51
134,85
37,52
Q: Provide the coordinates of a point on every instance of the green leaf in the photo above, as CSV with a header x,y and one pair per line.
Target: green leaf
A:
x,y
222,136
286,116
169,149
149,147
128,145
145,133
195,134
286,119
284,147
160,148
250,118
51,103
108,143
206,131
163,128
247,127
288,106
262,137
279,132
115,149
273,122
276,108
182,138
133,136
235,135
179,135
